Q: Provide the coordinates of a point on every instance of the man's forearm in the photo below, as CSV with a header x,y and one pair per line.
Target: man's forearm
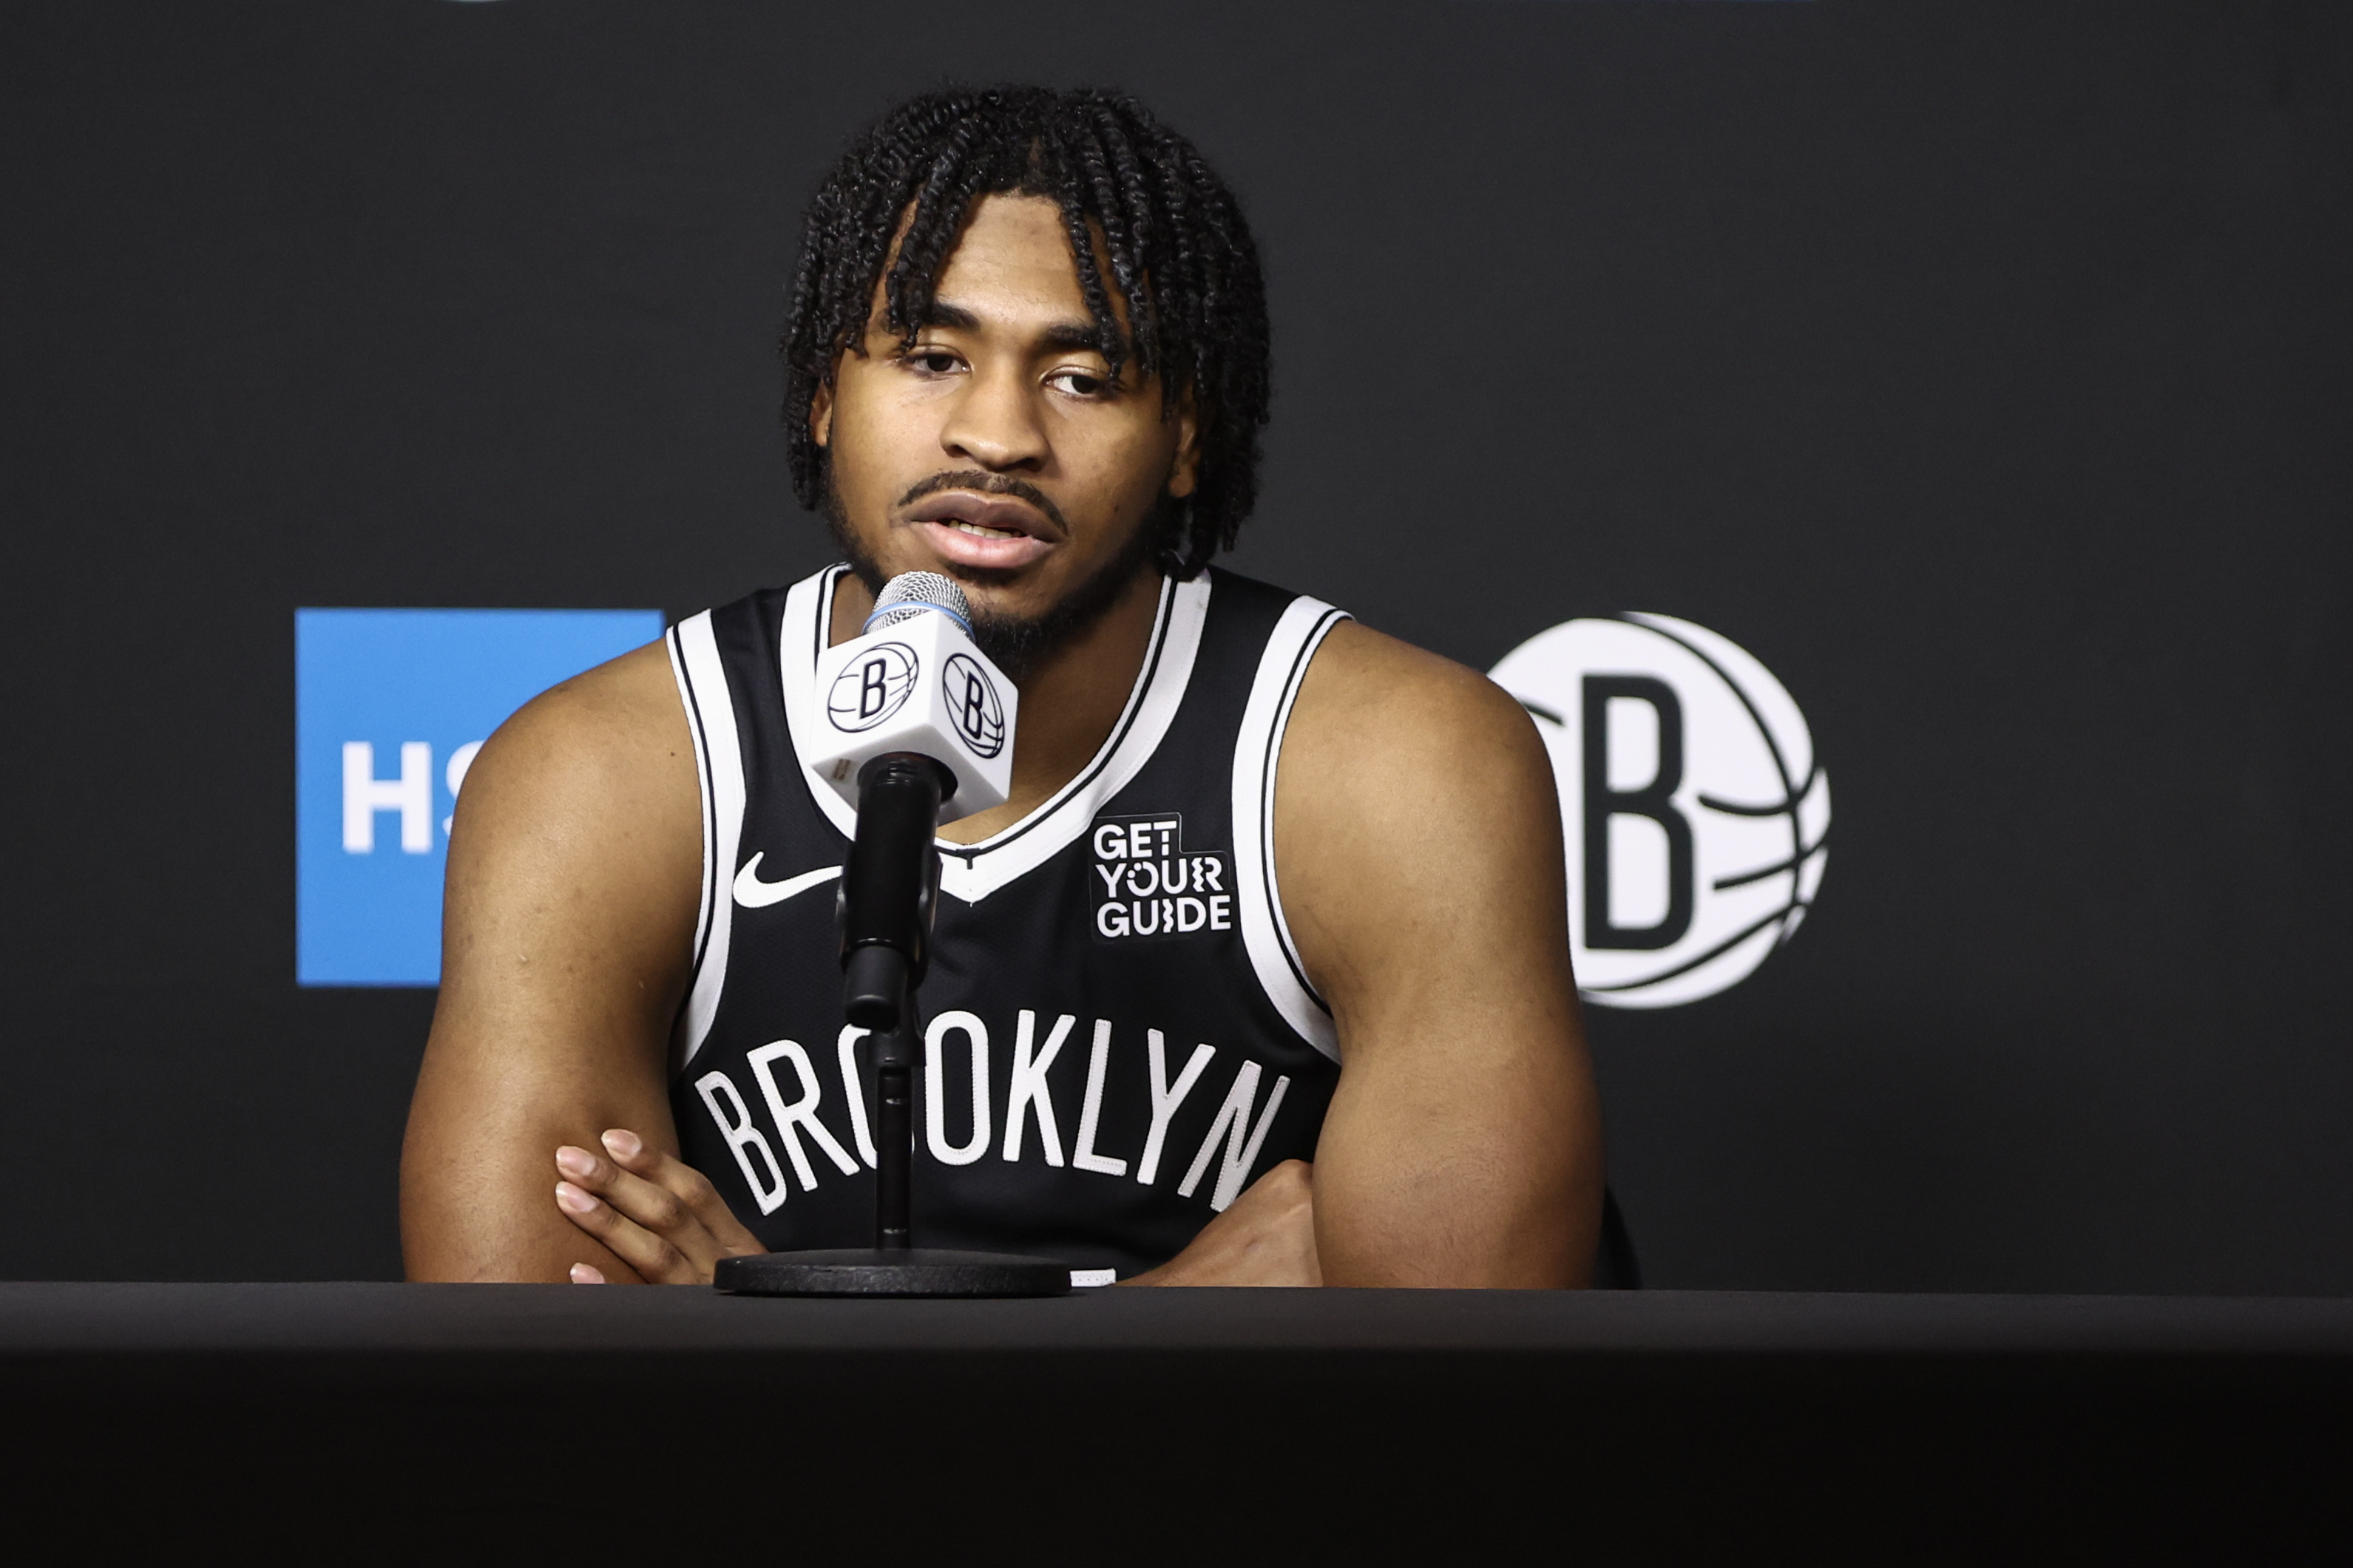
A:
x,y
1410,1190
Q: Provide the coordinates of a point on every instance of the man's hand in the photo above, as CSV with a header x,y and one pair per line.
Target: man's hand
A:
x,y
660,1216
665,1221
1266,1237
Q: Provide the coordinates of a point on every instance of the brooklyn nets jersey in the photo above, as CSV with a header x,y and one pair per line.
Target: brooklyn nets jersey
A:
x,y
1119,1035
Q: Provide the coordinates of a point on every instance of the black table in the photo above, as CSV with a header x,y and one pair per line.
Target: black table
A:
x,y
1202,1426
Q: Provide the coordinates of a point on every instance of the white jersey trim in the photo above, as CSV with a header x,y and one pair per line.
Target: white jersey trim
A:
x,y
703,784
1266,935
801,640
972,871
718,766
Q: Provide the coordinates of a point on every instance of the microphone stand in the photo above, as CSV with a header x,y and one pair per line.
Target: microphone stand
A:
x,y
888,899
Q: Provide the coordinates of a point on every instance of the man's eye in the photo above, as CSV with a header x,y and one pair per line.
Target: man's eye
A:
x,y
1079,384
935,362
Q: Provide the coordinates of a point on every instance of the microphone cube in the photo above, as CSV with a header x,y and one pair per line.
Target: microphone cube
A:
x,y
919,686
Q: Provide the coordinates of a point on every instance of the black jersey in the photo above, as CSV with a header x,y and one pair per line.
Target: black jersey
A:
x,y
1118,1033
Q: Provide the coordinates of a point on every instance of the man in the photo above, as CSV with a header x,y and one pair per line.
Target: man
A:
x,y
1271,889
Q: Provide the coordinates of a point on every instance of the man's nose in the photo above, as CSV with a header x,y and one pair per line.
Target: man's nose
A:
x,y
995,425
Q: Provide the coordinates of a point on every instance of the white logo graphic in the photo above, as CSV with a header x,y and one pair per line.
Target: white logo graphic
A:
x,y
1695,816
1150,882
754,894
972,707
871,691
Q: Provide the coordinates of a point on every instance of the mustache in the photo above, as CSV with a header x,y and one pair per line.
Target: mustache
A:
x,y
986,484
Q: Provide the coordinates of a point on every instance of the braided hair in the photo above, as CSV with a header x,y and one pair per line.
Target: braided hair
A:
x,y
1180,257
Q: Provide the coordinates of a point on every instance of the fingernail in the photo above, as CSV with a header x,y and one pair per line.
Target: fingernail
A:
x,y
623,1143
572,1198
579,1161
584,1274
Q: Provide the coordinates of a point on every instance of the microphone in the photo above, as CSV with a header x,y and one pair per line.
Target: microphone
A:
x,y
912,682
920,733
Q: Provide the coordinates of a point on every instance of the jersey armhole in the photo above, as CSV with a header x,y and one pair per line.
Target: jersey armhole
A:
x,y
702,679
1266,934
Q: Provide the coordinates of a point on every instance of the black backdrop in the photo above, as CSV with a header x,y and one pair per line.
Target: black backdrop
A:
x,y
1983,369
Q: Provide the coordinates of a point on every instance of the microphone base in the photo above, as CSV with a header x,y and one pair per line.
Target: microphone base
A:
x,y
870,1272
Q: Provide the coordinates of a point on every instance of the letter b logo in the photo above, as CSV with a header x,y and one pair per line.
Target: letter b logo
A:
x,y
870,691
1694,815
973,706
1651,801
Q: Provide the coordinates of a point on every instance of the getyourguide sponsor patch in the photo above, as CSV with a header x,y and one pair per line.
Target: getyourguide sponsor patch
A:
x,y
1148,883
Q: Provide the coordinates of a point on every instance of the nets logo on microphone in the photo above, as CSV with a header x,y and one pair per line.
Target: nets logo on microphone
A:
x,y
873,687
1694,811
973,705
880,696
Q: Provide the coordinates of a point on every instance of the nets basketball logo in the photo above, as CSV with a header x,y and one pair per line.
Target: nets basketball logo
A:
x,y
871,691
972,707
1694,812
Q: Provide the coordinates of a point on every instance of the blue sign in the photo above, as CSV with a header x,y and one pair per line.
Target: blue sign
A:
x,y
390,707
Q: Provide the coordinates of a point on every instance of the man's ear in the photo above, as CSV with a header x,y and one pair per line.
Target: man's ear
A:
x,y
820,415
1185,472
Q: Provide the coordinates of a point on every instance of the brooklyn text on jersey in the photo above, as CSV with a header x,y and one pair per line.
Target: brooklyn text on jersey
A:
x,y
1119,1035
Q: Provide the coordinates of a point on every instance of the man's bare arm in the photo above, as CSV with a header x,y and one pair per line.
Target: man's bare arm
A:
x,y
1418,843
575,873
1462,1146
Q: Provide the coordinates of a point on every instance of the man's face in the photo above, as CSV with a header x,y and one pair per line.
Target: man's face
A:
x,y
997,449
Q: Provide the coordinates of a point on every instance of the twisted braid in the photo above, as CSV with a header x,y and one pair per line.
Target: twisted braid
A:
x,y
1179,254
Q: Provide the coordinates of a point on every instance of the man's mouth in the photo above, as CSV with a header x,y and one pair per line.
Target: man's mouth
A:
x,y
984,531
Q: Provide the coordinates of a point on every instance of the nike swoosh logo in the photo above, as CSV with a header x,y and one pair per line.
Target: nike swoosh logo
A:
x,y
753,894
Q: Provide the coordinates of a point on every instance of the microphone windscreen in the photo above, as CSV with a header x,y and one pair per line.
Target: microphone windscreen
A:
x,y
911,593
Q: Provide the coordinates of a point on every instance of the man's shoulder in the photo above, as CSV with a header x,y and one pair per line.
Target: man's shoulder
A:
x,y
579,829
1392,699
604,737
1393,745
623,696
614,697
1378,695
1412,789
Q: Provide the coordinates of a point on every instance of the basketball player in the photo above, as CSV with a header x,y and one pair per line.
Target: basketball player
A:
x,y
1261,975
